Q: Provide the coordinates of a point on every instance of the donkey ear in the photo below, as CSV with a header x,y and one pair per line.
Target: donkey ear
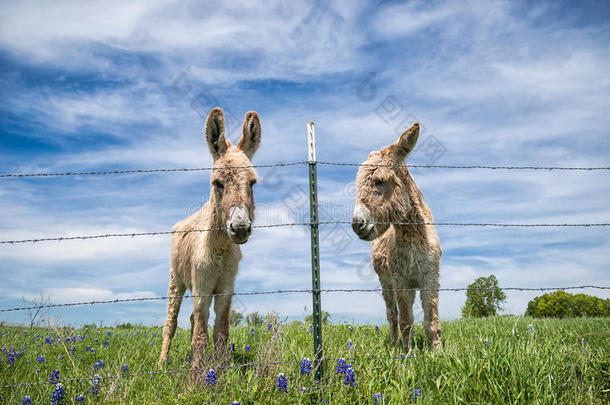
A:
x,y
405,144
251,138
215,132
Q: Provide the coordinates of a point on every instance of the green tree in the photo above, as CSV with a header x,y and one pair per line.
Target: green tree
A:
x,y
483,298
235,318
325,318
561,304
254,319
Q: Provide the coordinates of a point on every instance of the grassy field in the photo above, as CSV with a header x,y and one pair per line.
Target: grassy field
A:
x,y
495,360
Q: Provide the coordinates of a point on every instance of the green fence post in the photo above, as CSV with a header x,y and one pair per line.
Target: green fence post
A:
x,y
315,252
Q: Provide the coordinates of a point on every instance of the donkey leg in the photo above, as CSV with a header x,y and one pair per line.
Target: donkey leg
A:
x,y
391,310
432,324
199,341
176,289
405,312
222,308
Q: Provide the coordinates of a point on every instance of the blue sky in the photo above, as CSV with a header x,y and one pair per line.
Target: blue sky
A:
x,y
124,85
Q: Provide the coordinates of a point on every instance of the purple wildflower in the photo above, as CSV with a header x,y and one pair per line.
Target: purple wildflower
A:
x,y
26,400
58,395
378,398
40,359
416,394
54,377
350,377
305,366
282,382
210,377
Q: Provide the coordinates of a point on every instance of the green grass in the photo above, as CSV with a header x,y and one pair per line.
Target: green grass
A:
x,y
552,365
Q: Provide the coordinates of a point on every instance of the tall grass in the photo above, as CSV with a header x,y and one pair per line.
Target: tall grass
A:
x,y
493,360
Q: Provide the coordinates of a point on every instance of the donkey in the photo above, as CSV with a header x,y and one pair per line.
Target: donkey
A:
x,y
404,256
206,262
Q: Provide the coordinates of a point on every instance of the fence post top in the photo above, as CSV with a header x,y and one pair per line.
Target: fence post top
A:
x,y
311,141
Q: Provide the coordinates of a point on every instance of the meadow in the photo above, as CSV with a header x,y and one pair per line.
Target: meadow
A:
x,y
484,361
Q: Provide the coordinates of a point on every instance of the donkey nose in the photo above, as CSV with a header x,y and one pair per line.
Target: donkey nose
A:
x,y
358,225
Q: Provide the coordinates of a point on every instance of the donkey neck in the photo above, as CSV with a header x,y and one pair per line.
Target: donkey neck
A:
x,y
218,238
416,230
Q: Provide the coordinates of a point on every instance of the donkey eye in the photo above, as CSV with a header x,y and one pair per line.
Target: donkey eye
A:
x,y
218,185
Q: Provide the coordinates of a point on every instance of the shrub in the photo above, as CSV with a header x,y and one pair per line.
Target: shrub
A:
x,y
561,304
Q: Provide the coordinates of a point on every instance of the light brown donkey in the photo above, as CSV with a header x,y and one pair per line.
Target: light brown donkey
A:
x,y
206,262
404,256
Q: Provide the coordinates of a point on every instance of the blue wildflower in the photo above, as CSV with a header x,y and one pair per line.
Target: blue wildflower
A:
x,y
235,403
232,348
61,357
95,387
80,398
270,326
302,389
584,341
40,359
349,344
351,328
350,377
210,377
124,368
26,400
58,395
377,329
106,344
531,328
247,348
72,349
54,377
67,340
486,341
282,382
49,341
108,333
187,358
98,365
154,342
416,394
305,366
341,366
378,398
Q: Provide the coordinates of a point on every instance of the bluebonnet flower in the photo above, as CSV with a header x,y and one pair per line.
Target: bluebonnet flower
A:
x,y
341,366
187,358
232,348
531,328
26,400
95,387
106,344
54,376
350,377
67,340
351,328
108,333
72,349
251,332
96,341
49,341
87,348
305,366
98,365
349,344
247,348
154,342
416,394
270,326
377,329
324,401
58,395
235,403
486,341
584,341
302,389
40,359
124,368
378,398
80,398
61,357
210,377
282,382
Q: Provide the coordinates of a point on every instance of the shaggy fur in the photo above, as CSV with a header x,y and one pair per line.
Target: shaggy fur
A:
x,y
207,262
404,256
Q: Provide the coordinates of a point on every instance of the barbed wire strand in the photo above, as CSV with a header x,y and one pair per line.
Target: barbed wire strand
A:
x,y
292,291
189,370
466,224
132,171
417,166
280,164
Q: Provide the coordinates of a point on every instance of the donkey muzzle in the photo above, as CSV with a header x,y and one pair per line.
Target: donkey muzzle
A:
x,y
362,224
239,225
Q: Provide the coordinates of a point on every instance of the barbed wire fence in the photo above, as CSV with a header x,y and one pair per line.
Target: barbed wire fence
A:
x,y
314,223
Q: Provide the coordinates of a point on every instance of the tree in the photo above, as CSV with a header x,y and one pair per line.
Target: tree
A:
x,y
561,304
254,319
483,298
235,318
325,318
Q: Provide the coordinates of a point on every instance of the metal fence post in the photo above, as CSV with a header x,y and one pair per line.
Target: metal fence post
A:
x,y
315,251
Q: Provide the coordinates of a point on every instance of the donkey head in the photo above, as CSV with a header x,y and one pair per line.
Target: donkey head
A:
x,y
382,192
231,180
